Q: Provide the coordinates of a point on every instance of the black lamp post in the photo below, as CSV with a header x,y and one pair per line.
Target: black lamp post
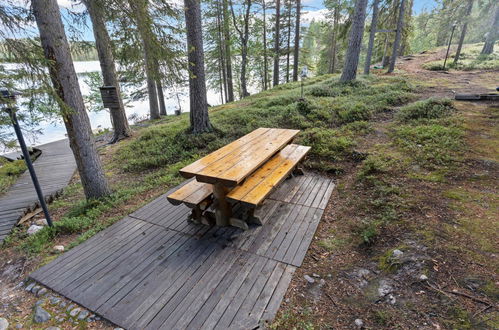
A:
x,y
8,102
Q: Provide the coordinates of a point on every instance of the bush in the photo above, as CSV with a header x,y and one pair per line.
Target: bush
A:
x,y
9,172
426,109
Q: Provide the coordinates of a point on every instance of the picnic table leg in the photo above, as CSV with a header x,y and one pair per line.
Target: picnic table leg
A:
x,y
223,210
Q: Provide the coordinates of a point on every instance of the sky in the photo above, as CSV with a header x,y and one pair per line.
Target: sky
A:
x,y
312,9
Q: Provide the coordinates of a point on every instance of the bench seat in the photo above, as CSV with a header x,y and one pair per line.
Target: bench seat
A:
x,y
191,194
260,184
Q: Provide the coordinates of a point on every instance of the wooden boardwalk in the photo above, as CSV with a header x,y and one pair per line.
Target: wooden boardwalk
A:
x,y
54,168
155,270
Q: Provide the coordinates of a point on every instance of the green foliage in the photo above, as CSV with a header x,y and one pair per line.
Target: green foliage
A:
x,y
470,59
9,172
426,109
432,144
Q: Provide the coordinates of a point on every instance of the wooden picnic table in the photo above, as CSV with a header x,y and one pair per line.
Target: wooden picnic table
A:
x,y
230,165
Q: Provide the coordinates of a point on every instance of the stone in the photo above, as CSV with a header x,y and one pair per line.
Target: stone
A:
x,y
19,326
391,299
97,318
70,307
59,248
41,222
33,229
309,279
53,328
55,300
40,302
4,324
119,329
41,292
384,288
316,275
41,315
30,286
83,315
423,277
397,253
75,312
359,323
35,289
63,304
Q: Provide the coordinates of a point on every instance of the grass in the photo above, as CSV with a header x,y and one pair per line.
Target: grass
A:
x,y
469,60
9,172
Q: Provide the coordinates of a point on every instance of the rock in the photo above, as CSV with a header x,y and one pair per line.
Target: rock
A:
x,y
97,318
33,229
55,300
41,222
35,289
59,248
309,279
40,302
423,277
397,253
4,324
41,292
75,312
391,299
119,329
384,288
41,315
63,304
83,315
359,323
70,307
30,286
53,328
316,275
19,326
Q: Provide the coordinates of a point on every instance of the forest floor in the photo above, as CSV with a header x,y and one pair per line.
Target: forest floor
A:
x,y
409,238
433,264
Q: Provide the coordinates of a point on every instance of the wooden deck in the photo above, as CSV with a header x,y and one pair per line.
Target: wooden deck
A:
x,y
54,168
153,269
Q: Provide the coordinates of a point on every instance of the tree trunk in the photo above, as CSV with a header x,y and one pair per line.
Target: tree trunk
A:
x,y
195,57
243,36
288,46
398,35
354,42
463,31
277,41
265,60
372,34
222,66
492,35
161,98
142,19
334,42
63,76
297,41
121,129
228,55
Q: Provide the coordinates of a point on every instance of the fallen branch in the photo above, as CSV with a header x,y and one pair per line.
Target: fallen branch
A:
x,y
470,297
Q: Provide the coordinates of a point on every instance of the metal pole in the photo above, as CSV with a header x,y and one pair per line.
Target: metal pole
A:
x,y
29,164
448,47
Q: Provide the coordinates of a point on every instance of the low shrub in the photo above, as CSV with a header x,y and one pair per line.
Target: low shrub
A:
x,y
426,109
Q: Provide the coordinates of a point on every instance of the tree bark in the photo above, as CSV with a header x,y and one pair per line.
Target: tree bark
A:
x,y
265,60
372,34
228,55
354,42
243,36
297,41
398,35
65,82
469,8
161,98
195,57
221,48
142,19
277,41
288,46
334,42
121,129
492,35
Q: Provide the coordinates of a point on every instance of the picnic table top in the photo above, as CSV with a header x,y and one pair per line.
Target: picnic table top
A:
x,y
231,164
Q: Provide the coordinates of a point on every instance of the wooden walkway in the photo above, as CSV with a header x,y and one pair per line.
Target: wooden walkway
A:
x,y
155,270
54,168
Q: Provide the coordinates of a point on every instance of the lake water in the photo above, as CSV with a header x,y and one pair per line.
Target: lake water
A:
x,y
51,131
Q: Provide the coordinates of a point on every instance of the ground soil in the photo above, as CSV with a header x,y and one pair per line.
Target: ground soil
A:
x,y
435,235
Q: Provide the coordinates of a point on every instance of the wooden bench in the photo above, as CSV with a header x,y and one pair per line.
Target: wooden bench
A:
x,y
251,193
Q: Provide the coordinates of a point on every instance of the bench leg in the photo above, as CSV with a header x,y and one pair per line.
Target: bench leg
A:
x,y
298,171
249,216
196,215
223,210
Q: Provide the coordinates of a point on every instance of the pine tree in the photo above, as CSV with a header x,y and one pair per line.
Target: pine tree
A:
x,y
65,82
469,8
372,34
398,36
493,34
296,52
277,41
